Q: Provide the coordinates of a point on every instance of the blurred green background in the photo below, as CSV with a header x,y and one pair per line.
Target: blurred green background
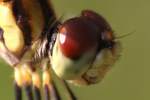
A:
x,y
130,77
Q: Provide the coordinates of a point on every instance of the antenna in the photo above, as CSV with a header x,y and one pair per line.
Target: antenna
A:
x,y
125,35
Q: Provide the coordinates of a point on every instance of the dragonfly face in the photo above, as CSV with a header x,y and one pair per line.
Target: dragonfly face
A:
x,y
76,44
80,50
79,42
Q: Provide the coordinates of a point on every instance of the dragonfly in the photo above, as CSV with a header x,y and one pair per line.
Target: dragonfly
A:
x,y
39,46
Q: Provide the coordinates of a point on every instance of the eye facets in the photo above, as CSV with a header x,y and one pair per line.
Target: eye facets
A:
x,y
77,36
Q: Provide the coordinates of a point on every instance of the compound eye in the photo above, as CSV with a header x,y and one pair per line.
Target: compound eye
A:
x,y
77,36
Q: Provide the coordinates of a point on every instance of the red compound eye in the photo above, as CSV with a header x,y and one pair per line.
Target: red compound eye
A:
x,y
77,36
104,27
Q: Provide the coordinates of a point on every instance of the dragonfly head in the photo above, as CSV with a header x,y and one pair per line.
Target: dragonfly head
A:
x,y
78,41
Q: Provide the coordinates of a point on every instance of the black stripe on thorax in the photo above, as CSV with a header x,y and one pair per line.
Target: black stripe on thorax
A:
x,y
22,21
